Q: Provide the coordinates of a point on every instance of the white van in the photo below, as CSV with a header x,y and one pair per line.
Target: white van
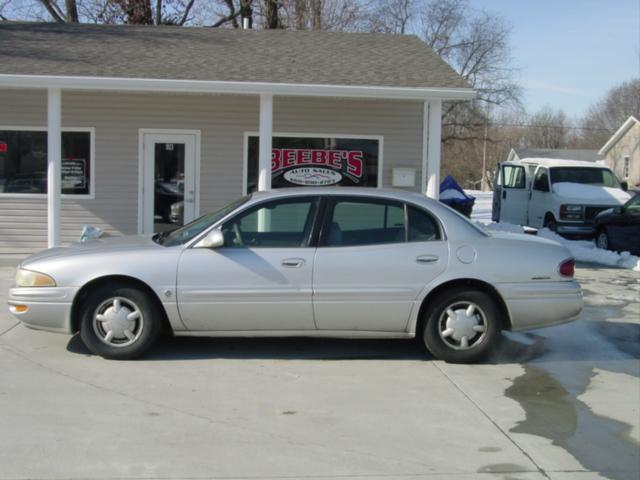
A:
x,y
562,195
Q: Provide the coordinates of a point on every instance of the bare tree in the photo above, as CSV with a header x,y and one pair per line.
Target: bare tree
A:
x,y
391,16
476,45
605,117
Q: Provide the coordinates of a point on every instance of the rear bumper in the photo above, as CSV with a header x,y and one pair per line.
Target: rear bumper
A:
x,y
48,308
537,305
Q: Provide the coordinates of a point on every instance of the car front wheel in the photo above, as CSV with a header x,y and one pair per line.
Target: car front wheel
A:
x,y
461,325
119,322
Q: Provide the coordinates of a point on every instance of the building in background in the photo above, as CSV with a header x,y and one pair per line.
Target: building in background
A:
x,y
558,153
622,152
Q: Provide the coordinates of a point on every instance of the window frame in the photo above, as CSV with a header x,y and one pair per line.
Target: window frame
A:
x,y
524,177
92,161
309,242
323,234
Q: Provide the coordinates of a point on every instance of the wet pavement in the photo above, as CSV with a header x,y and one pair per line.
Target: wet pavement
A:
x,y
556,403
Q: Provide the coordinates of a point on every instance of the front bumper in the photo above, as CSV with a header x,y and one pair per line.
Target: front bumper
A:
x,y
576,228
48,308
542,304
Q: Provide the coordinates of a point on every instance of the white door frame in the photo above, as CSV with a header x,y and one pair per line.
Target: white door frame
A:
x,y
142,132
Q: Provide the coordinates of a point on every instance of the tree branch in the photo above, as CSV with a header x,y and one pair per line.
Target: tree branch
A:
x,y
224,20
53,10
185,15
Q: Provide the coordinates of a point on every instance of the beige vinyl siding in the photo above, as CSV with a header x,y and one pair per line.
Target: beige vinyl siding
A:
x,y
222,121
627,145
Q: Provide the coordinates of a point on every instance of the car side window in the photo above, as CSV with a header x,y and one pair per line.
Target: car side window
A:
x,y
278,223
365,222
422,226
514,176
541,181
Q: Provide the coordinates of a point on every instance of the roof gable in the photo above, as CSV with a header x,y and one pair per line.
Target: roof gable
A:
x,y
615,138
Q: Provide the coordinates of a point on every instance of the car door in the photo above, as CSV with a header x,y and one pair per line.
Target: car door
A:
x,y
513,194
623,227
260,279
373,260
541,198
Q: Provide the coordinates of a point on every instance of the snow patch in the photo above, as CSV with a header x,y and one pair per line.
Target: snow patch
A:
x,y
451,194
591,192
582,250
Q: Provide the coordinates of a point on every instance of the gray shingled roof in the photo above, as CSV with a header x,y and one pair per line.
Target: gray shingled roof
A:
x,y
273,56
561,153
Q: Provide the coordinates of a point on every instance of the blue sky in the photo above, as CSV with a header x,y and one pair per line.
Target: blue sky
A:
x,y
570,52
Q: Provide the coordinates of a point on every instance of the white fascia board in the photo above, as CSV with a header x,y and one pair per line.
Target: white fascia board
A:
x,y
619,133
250,88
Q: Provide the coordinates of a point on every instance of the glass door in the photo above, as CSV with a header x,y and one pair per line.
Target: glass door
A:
x,y
169,183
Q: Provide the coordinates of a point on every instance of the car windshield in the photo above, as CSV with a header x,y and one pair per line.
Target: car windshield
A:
x,y
599,177
633,205
199,225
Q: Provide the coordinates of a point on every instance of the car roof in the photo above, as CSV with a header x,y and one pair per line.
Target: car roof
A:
x,y
389,193
558,162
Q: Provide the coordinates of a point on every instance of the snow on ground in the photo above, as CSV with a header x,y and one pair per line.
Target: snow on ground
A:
x,y
582,250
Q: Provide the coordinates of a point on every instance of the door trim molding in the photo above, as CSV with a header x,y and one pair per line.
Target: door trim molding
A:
x,y
196,173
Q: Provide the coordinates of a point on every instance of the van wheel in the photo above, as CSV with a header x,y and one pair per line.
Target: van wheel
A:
x,y
119,322
550,223
461,325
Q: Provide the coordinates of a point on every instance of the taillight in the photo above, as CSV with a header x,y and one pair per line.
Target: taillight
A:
x,y
567,268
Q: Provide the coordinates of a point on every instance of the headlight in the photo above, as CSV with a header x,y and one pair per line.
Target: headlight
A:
x,y
571,212
27,278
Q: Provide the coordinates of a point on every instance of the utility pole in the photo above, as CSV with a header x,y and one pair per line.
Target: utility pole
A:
x,y
483,180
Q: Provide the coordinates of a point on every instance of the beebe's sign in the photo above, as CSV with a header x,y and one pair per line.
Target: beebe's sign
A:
x,y
316,161
316,166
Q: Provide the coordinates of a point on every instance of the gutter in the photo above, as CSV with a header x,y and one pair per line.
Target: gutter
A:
x,y
239,88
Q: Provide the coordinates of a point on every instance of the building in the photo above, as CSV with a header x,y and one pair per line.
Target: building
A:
x,y
139,126
622,152
557,153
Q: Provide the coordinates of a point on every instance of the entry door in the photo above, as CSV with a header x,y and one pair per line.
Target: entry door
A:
x,y
513,195
169,181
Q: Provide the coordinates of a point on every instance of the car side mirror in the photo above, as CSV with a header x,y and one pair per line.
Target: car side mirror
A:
x,y
213,239
624,185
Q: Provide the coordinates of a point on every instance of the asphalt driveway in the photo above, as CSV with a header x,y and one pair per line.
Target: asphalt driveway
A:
x,y
559,403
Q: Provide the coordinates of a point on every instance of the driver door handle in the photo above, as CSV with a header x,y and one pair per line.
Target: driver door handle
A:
x,y
427,258
293,262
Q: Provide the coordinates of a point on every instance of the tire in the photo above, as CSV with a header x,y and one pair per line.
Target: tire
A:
x,y
133,319
550,223
602,239
439,333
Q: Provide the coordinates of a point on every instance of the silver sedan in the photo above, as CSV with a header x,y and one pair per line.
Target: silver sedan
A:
x,y
322,262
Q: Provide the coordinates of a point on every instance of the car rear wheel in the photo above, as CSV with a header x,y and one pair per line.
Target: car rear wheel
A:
x,y
119,322
602,239
461,325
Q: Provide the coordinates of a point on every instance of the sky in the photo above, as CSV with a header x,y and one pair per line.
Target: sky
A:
x,y
570,52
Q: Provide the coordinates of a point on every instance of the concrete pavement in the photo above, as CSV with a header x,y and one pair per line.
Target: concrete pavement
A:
x,y
559,403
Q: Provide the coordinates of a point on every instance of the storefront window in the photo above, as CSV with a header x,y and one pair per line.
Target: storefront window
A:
x,y
316,161
23,162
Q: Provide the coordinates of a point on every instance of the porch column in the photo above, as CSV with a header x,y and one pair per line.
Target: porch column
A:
x,y
266,132
433,134
54,155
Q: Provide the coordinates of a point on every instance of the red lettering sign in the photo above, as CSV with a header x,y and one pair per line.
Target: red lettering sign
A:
x,y
285,158
4,148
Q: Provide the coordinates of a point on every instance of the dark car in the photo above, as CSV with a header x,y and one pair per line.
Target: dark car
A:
x,y
619,228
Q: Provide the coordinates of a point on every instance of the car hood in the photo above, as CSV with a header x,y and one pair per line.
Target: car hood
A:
x,y
590,194
109,244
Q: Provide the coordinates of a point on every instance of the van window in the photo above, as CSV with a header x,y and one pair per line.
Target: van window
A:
x,y
514,176
541,181
601,177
